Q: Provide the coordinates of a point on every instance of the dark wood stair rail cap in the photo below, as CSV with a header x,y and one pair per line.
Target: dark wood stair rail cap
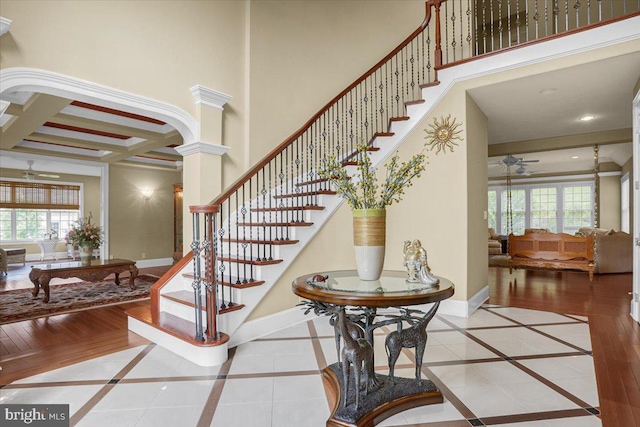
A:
x,y
203,209
255,169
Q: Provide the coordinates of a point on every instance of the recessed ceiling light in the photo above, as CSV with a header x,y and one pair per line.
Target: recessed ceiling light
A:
x,y
575,157
548,91
586,118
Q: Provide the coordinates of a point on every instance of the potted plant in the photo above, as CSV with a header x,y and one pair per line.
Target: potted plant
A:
x,y
87,237
368,200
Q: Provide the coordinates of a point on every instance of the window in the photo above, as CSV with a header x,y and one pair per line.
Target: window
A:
x,y
492,210
578,208
624,203
543,208
29,211
518,209
558,207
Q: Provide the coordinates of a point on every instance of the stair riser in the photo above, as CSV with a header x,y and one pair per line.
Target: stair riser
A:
x,y
203,356
185,311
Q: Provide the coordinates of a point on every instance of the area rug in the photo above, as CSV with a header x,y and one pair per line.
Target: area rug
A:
x,y
20,304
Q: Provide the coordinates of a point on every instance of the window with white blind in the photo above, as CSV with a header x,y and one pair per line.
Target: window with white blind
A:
x,y
31,211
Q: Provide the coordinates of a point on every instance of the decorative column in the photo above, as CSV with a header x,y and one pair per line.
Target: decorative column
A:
x,y
202,164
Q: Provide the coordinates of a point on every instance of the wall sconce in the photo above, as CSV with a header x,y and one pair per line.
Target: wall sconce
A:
x,y
147,193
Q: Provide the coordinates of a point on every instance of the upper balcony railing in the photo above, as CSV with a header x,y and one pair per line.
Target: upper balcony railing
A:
x,y
471,28
243,224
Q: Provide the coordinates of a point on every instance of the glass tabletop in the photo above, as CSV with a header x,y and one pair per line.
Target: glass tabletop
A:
x,y
348,281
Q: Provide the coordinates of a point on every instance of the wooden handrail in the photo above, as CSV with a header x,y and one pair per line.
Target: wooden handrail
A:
x,y
287,142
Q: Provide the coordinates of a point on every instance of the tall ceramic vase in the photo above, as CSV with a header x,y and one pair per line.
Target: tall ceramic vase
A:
x,y
86,252
369,230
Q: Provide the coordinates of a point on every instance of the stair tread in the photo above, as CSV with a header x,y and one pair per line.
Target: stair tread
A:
x,y
254,260
292,208
186,298
276,224
261,242
430,84
399,119
232,282
414,102
307,193
173,325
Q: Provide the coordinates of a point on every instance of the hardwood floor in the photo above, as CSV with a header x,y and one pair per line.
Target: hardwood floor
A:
x,y
31,347
615,336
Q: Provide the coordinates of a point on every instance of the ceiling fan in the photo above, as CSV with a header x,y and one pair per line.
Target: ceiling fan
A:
x,y
30,174
510,160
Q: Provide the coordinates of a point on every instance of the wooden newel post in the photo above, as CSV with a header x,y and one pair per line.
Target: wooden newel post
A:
x,y
438,49
209,256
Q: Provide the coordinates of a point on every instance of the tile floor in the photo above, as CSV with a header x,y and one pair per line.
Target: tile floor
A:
x,y
500,367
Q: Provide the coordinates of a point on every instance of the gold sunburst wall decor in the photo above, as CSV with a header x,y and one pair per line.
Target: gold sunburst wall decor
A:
x,y
442,134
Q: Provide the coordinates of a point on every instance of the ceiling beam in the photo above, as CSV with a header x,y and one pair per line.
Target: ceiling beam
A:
x,y
81,122
144,147
77,143
615,136
39,109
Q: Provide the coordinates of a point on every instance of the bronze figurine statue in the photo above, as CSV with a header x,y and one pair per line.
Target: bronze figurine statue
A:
x,y
413,337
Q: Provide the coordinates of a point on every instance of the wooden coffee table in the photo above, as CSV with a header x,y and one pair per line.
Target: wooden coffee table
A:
x,y
41,274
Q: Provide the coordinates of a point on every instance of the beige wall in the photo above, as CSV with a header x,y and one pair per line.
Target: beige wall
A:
x,y
609,208
141,228
90,195
476,142
298,46
154,49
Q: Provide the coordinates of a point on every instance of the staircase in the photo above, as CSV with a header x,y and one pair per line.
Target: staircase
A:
x,y
248,236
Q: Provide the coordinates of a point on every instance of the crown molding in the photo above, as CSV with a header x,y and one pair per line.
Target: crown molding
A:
x,y
5,24
201,147
209,97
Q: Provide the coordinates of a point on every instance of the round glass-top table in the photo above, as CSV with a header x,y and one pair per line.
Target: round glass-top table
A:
x,y
330,293
344,287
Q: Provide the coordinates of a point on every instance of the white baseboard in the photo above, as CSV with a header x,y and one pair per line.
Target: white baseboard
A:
x,y
266,325
157,262
464,308
635,309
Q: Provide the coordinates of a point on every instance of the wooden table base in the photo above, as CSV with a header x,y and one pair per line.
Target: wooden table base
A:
x,y
386,400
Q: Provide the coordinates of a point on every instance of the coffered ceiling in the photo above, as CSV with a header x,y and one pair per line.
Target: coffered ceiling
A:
x,y
36,124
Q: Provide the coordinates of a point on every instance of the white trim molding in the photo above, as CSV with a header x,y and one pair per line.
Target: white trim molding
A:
x,y
23,79
266,325
464,308
209,97
5,24
612,173
201,147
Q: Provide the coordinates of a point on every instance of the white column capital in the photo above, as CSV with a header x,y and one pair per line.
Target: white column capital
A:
x,y
201,147
209,97
5,23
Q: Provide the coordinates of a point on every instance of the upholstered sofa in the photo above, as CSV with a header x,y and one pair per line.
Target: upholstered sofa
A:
x,y
11,256
613,250
495,246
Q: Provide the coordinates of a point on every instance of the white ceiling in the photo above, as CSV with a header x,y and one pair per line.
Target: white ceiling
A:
x,y
550,105
518,111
